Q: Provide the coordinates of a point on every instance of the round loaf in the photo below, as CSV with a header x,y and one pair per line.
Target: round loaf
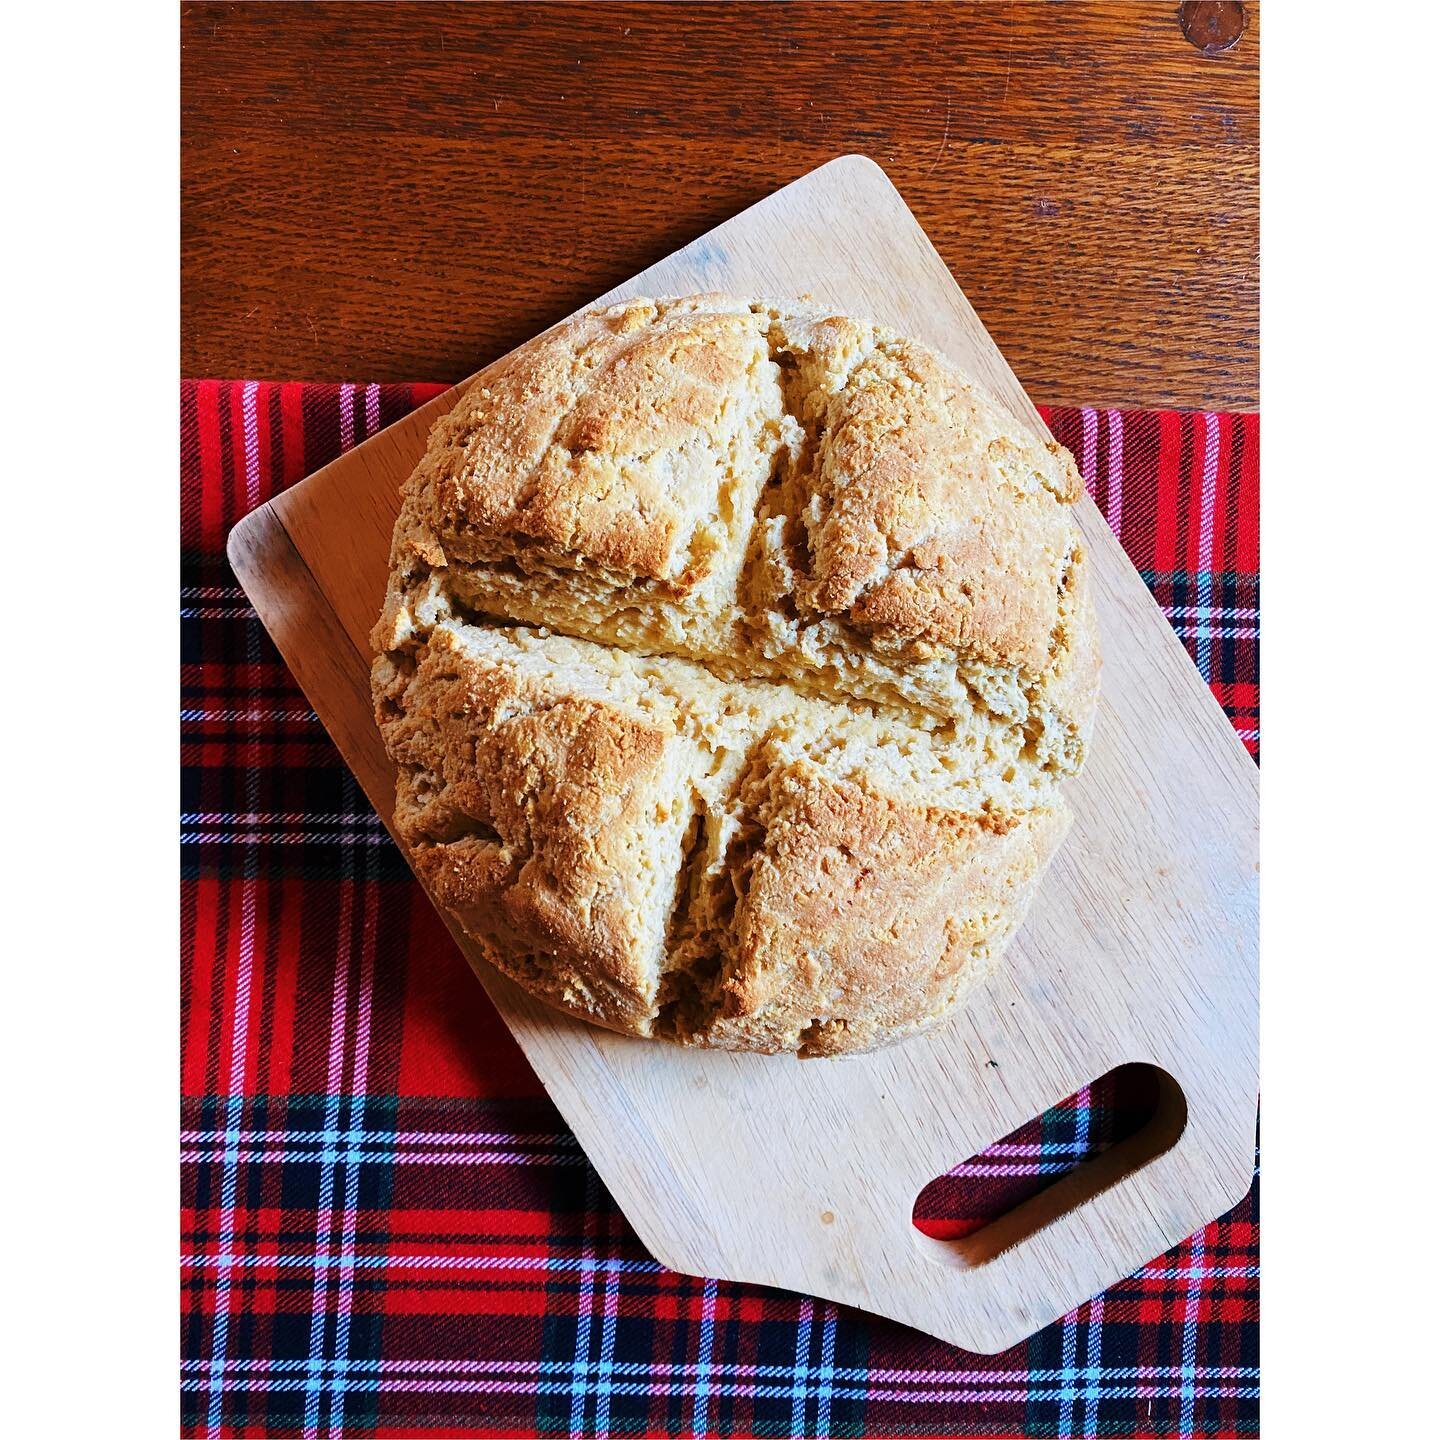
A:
x,y
733,658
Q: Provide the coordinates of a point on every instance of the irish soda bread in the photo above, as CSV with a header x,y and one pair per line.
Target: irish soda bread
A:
x,y
732,659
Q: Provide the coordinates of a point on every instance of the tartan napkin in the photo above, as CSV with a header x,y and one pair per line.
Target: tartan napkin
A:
x,y
386,1228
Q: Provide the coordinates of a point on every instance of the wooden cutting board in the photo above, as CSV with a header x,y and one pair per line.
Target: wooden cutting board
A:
x,y
1141,945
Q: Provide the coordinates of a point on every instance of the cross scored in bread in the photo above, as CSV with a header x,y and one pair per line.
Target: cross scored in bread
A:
x,y
733,656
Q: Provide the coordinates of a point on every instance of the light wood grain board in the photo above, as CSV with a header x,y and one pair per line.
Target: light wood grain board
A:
x,y
1141,945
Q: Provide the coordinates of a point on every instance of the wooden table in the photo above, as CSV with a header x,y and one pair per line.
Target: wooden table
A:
x,y
388,192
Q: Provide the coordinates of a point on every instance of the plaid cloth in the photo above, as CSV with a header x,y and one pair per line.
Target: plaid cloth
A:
x,y
386,1228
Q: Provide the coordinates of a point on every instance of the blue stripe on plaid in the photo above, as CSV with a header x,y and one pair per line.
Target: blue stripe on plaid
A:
x,y
1071,1322
827,1368
609,1302
579,1387
1054,1397
800,1378
841,1374
700,1422
1092,1364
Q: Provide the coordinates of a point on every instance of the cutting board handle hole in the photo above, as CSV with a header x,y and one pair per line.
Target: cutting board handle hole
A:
x,y
1050,1165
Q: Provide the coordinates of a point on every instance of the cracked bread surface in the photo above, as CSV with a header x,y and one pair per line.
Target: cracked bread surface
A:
x,y
733,656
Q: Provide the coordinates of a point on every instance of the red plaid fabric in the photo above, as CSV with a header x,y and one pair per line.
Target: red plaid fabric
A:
x,y
386,1228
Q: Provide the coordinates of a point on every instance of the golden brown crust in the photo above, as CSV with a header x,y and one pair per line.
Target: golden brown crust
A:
x,y
928,514
819,837
601,444
865,914
771,490
539,815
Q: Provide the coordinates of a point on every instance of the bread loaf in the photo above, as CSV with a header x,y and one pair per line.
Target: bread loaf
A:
x,y
732,660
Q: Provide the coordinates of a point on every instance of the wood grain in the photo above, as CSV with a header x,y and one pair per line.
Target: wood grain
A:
x,y
1140,946
405,191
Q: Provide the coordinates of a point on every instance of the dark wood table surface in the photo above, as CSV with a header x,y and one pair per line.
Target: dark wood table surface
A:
x,y
403,192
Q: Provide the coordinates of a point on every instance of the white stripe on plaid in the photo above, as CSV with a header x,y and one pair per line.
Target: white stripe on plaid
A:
x,y
1115,432
320,1288
580,1389
800,1375
1070,1323
347,418
1210,1374
252,443
297,1153
317,1146
240,1022
609,1312
1007,1159
827,1367
1089,432
388,1138
1066,1398
576,1264
1188,1339
1092,1366
398,1260
700,1414
1209,474
1208,633
330,1137
253,714
360,1074
1199,612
